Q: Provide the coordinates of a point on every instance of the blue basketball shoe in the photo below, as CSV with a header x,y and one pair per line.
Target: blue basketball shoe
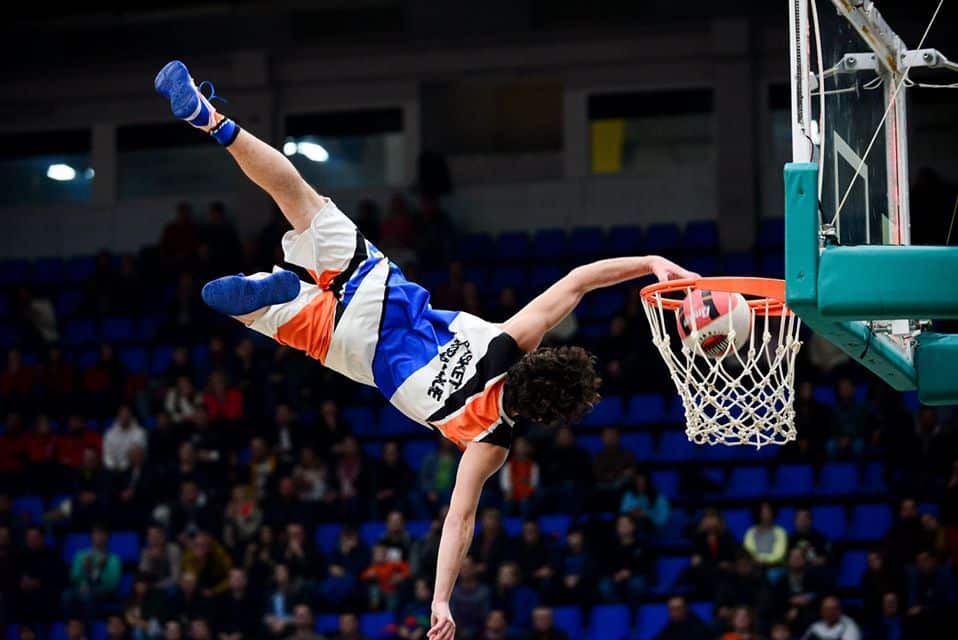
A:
x,y
188,103
239,295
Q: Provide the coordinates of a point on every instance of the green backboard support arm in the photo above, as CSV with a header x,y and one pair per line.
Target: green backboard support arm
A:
x,y
833,290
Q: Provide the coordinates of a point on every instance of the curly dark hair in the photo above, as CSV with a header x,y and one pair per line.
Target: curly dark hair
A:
x,y
552,384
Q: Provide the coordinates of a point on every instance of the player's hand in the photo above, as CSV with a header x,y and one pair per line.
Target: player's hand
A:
x,y
667,270
443,626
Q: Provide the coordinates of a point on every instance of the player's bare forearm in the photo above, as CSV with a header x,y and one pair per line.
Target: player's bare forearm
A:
x,y
606,273
457,531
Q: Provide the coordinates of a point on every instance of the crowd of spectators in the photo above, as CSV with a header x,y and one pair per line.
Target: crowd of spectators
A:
x,y
227,459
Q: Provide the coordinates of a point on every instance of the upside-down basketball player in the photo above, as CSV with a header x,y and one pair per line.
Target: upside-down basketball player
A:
x,y
448,370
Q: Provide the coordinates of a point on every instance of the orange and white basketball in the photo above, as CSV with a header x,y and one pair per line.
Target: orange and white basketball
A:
x,y
715,321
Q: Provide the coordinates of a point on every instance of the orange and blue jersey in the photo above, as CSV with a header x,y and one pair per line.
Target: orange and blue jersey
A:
x,y
362,318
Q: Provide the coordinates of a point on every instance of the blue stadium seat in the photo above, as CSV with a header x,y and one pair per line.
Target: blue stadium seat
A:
x,y
73,543
543,276
80,268
503,277
68,302
667,482
147,328
929,507
374,625
478,276
785,517
704,610
607,412
27,509
650,619
585,242
134,359
327,624
362,419
747,482
512,245
625,240
715,474
327,536
87,358
371,532
773,265
869,522
662,238
555,525
476,247
393,423
125,544
512,525
674,446
13,630
911,401
161,358
740,264
14,271
49,270
702,265
640,444
602,305
645,409
609,622
873,479
418,528
771,233
672,533
414,451
433,279
830,520
701,235
793,480
9,336
569,620
57,631
838,479
373,448
667,572
117,329
125,587
79,332
592,444
738,521
549,243
852,567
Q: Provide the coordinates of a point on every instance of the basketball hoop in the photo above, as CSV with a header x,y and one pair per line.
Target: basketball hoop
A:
x,y
746,396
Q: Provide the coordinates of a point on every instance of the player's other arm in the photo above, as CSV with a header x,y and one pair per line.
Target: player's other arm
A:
x,y
555,303
479,461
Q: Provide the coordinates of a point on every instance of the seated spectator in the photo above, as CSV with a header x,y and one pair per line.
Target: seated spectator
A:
x,y
813,422
496,626
299,554
744,586
743,626
18,383
890,625
627,565
40,578
36,317
41,455
425,549
104,383
414,616
536,559
172,630
610,465
349,628
186,602
849,422
383,577
333,427
164,441
810,540
182,400
200,629
236,609
187,468
78,437
91,493
284,595
208,561
222,403
262,466
795,594
576,570
519,478
513,597
833,625
303,627
285,507
125,433
492,546
713,553
393,481
566,474
180,237
648,507
765,540
904,537
181,366
13,452
286,436
94,578
449,294
312,479
781,631
352,477
543,626
259,556
160,559
76,629
507,306
683,624
931,597
933,535
615,353
470,600
242,519
877,580
116,628
397,538
472,301
438,474
191,513
144,608
134,491
346,562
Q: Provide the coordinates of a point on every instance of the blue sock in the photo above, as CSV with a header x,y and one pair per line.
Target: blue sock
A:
x,y
239,295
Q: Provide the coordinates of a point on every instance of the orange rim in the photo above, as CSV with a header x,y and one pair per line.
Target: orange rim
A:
x,y
768,293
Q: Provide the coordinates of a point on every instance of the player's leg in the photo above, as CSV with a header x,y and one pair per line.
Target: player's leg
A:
x,y
261,163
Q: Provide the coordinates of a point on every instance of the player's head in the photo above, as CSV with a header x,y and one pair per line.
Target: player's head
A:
x,y
553,384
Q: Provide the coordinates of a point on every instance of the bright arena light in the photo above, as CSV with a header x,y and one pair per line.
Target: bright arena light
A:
x,y
61,172
88,174
289,148
313,151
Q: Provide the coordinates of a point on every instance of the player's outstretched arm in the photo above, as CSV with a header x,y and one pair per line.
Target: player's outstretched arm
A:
x,y
549,308
479,461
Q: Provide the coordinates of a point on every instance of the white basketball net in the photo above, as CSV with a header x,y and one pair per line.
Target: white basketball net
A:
x,y
747,396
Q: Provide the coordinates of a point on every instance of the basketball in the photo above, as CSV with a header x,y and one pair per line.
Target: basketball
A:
x,y
717,322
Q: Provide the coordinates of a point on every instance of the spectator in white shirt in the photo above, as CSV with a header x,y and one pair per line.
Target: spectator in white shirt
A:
x,y
125,433
182,401
834,625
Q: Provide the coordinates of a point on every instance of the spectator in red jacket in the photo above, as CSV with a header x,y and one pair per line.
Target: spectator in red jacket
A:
x,y
223,403
78,437
59,380
17,382
41,453
13,445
